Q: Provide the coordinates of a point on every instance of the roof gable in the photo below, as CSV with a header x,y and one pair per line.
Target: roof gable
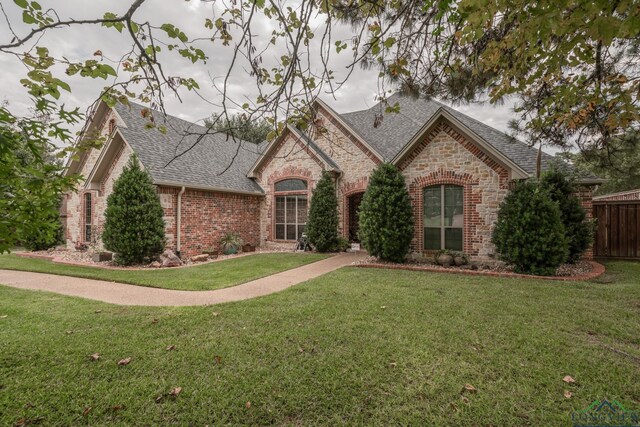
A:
x,y
394,131
442,115
305,143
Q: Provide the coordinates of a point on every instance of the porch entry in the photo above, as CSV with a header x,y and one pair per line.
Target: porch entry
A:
x,y
353,203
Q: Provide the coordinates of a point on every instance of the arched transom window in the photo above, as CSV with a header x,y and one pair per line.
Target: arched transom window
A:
x,y
290,209
443,219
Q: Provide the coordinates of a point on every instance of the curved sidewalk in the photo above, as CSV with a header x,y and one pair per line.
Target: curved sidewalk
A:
x,y
124,294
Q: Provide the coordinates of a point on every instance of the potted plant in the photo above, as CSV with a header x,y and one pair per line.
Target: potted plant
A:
x,y
230,243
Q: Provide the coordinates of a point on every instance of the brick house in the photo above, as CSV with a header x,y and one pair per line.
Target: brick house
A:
x,y
457,170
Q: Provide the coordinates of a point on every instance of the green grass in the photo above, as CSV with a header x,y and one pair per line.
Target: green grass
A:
x,y
354,347
214,275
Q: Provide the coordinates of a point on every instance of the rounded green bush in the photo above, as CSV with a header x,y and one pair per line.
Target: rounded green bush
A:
x,y
529,233
578,229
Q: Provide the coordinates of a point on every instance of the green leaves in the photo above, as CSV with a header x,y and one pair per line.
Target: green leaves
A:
x,y
174,32
322,224
134,228
386,215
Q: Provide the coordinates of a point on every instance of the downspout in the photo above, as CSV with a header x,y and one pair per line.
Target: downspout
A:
x,y
179,220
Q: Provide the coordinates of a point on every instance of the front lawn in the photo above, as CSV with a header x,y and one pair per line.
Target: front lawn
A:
x,y
213,275
353,347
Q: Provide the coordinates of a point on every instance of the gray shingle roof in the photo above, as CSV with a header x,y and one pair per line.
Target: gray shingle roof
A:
x,y
203,166
397,129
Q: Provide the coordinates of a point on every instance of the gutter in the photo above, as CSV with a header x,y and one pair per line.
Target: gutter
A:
x,y
179,220
207,188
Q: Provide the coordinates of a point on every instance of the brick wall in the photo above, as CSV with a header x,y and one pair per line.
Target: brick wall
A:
x,y
355,160
75,200
207,216
289,159
446,157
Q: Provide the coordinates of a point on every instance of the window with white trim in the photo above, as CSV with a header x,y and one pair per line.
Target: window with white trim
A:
x,y
443,217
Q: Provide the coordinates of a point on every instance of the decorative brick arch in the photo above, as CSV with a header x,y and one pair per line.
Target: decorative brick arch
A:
x,y
444,126
470,199
348,189
288,172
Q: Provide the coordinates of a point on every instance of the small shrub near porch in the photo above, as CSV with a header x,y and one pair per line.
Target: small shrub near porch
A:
x,y
133,227
386,215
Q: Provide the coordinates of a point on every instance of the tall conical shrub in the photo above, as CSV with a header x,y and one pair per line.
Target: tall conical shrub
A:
x,y
529,233
133,227
322,224
386,215
578,229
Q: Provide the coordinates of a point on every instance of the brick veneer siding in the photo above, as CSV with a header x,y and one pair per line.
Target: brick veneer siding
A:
x,y
207,216
289,159
75,200
445,156
355,160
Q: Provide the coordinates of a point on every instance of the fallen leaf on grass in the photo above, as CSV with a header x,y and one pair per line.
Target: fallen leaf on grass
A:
x,y
171,347
117,407
215,314
248,404
465,400
393,364
383,307
124,361
568,379
217,359
175,391
98,311
4,316
68,332
568,394
94,357
469,388
160,398
86,411
453,406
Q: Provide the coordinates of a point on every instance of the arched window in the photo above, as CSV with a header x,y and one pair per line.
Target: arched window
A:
x,y
443,218
290,209
291,185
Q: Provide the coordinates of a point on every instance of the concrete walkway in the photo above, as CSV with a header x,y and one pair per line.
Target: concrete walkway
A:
x,y
123,294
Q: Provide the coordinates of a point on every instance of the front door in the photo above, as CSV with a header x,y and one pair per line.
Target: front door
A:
x,y
354,224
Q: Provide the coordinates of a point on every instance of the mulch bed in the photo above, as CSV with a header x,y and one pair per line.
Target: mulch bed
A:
x,y
583,270
84,259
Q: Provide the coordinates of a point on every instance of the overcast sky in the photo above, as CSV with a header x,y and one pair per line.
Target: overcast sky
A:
x,y
80,42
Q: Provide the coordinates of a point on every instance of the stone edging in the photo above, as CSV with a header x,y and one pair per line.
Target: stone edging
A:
x,y
112,267
598,270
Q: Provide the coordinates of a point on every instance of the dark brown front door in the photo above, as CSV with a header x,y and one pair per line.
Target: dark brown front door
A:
x,y
354,224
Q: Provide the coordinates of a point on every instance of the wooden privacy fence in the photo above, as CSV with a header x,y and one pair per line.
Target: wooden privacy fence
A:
x,y
618,226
